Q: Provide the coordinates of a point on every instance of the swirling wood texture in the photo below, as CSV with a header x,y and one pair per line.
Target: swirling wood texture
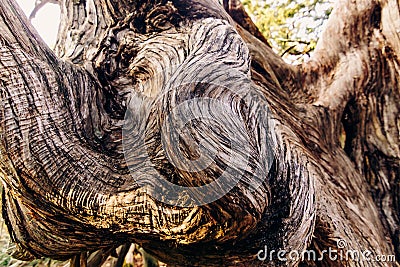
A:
x,y
172,124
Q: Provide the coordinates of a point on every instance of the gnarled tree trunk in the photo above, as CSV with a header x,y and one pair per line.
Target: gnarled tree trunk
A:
x,y
173,125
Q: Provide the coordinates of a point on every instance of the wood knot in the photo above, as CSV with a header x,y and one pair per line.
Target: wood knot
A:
x,y
162,17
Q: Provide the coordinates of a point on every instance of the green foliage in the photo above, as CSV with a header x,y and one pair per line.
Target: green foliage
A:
x,y
291,26
5,259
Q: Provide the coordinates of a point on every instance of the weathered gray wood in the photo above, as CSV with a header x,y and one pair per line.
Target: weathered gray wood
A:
x,y
72,166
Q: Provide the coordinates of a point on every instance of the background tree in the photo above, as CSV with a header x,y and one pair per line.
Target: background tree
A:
x,y
152,91
292,27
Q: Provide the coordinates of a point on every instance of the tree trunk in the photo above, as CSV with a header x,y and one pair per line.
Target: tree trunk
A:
x,y
173,125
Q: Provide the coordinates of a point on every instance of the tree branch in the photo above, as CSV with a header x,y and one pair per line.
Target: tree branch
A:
x,y
66,168
81,137
39,4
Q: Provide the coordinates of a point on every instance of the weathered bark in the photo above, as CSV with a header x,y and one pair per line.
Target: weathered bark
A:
x,y
84,128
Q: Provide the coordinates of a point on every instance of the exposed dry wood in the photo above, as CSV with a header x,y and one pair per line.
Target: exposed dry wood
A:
x,y
82,129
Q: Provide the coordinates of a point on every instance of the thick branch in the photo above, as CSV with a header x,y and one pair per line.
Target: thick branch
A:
x,y
160,100
64,166
354,64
